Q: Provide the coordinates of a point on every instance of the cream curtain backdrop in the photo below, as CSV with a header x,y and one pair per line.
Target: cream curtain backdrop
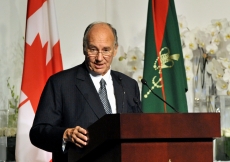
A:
x,y
127,16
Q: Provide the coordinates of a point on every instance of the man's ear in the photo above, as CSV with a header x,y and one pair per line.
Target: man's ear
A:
x,y
115,50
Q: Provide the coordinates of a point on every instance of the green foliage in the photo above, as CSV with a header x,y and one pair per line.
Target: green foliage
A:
x,y
13,104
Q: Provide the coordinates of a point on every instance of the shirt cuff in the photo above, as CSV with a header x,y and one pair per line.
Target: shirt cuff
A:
x,y
63,145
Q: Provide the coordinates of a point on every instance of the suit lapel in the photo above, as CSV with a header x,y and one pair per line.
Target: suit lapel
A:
x,y
119,93
88,90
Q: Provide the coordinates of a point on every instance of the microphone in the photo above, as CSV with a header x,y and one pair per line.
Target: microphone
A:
x,y
145,83
123,101
138,105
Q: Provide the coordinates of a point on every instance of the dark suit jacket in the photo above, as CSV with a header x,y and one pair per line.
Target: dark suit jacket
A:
x,y
70,99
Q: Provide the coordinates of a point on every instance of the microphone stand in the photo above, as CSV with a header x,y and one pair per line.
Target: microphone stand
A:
x,y
145,83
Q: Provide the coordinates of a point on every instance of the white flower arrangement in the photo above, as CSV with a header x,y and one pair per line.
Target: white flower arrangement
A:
x,y
131,63
213,46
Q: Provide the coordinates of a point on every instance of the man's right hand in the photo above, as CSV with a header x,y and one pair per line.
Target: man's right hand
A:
x,y
77,135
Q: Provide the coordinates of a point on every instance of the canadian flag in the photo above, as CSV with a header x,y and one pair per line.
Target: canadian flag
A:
x,y
42,59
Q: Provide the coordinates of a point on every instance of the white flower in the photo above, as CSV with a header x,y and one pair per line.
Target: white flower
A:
x,y
211,48
226,33
225,62
218,73
210,67
187,53
190,40
182,23
212,30
119,64
221,85
219,23
130,63
134,66
189,75
135,54
188,69
188,66
216,40
226,76
203,38
222,54
215,69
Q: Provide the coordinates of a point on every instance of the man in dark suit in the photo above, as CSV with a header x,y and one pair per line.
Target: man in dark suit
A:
x,y
71,100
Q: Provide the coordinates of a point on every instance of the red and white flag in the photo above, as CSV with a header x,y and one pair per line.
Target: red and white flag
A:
x,y
42,58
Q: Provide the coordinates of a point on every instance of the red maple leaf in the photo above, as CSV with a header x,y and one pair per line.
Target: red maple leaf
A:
x,y
36,72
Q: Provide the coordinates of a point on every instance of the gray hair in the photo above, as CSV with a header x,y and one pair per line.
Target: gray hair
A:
x,y
85,38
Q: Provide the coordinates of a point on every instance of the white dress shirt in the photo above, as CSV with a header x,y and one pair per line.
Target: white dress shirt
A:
x,y
109,88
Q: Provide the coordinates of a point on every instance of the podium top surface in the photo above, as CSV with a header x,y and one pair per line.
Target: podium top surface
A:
x,y
162,125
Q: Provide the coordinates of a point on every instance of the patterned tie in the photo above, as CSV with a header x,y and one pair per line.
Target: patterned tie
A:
x,y
104,98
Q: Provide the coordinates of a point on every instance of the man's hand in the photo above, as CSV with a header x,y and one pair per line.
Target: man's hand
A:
x,y
77,135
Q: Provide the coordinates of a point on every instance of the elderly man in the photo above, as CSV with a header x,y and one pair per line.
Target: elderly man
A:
x,y
75,98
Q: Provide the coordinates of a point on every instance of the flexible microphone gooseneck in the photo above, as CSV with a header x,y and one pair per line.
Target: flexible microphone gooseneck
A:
x,y
145,83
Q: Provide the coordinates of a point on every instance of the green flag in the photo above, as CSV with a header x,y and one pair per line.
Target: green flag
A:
x,y
164,68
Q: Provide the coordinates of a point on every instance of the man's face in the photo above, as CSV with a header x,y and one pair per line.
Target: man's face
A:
x,y
100,38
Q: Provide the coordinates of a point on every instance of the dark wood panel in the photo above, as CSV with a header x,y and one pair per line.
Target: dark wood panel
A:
x,y
167,152
190,125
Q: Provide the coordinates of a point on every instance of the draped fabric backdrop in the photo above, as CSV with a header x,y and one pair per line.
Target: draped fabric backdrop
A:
x,y
128,17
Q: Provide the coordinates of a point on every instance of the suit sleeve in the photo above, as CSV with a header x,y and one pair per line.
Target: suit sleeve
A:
x,y
47,131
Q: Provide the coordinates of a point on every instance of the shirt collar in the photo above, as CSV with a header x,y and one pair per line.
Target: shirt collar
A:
x,y
97,78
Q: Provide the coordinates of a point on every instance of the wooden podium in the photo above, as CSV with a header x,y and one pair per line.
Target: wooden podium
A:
x,y
178,137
